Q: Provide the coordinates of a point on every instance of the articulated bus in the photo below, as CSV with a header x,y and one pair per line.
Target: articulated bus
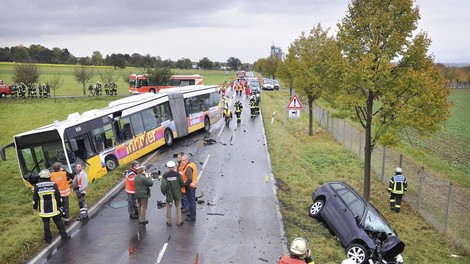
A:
x,y
123,131
139,83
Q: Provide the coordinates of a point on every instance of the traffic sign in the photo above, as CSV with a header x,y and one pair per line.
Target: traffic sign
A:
x,y
294,103
294,113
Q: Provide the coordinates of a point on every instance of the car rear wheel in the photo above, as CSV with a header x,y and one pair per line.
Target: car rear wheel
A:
x,y
357,253
316,208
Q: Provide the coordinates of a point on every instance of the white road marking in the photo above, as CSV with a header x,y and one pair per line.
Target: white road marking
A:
x,y
160,255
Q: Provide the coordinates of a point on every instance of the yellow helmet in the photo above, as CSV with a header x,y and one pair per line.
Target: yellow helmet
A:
x,y
299,247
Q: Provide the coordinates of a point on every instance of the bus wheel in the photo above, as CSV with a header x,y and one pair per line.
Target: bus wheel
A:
x,y
207,124
152,90
168,137
111,163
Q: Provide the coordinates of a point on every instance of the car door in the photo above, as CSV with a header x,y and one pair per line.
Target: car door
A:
x,y
352,207
334,211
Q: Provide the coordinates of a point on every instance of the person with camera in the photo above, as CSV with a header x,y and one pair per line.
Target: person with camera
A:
x,y
47,202
80,187
61,178
299,253
142,183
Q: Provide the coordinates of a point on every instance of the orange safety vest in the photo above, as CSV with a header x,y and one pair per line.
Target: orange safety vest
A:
x,y
288,260
185,178
182,170
130,186
60,178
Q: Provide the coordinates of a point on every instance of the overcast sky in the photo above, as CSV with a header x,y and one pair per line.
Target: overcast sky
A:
x,y
217,29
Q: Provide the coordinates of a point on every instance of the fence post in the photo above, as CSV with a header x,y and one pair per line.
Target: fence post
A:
x,y
383,162
422,175
449,198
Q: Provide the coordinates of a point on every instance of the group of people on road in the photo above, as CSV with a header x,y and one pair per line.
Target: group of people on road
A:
x,y
97,89
51,197
178,185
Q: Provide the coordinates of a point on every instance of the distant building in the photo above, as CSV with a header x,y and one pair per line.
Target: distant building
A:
x,y
277,52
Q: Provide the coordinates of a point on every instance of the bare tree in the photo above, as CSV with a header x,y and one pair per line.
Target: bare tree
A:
x,y
107,76
83,75
55,82
27,73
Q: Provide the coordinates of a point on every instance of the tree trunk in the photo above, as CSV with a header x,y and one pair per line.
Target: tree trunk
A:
x,y
310,118
368,145
84,90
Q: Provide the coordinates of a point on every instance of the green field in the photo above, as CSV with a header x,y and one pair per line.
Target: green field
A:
x,y
311,161
71,87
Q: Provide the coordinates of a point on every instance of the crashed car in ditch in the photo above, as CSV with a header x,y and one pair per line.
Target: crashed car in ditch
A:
x,y
358,225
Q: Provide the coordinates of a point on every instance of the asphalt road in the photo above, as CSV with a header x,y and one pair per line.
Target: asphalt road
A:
x,y
238,220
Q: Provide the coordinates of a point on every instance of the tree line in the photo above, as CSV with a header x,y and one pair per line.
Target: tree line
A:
x,y
36,53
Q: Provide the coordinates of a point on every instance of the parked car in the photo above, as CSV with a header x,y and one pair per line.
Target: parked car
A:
x,y
268,85
357,224
276,84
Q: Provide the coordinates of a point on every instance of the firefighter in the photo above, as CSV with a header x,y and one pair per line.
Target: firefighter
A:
x,y
298,253
252,106
238,110
227,115
396,188
47,202
130,190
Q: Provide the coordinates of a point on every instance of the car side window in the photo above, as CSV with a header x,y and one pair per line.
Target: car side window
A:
x,y
352,202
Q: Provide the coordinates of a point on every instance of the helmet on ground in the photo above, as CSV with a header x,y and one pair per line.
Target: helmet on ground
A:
x,y
171,164
45,174
298,247
398,170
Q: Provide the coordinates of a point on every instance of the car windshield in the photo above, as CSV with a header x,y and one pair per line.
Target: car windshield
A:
x,y
375,223
268,82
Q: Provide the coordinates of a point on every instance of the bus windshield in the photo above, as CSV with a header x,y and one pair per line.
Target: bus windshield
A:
x,y
38,151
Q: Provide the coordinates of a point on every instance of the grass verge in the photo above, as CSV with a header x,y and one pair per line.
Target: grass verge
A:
x,y
301,163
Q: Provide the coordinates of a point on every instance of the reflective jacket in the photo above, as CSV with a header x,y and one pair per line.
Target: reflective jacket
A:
x,y
192,180
46,198
238,107
398,184
80,182
130,176
289,260
60,178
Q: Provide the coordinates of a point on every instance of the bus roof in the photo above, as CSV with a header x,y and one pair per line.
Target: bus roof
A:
x,y
115,106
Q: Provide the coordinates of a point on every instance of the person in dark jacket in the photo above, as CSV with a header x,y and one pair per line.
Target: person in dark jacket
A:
x,y
47,202
172,182
397,187
142,183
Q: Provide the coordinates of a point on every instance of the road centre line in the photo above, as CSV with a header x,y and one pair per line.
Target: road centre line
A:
x,y
160,255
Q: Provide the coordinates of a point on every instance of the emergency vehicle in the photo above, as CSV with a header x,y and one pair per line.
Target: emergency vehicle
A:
x,y
139,83
4,89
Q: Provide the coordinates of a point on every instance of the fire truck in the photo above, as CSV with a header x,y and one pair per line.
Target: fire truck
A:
x,y
139,83
4,89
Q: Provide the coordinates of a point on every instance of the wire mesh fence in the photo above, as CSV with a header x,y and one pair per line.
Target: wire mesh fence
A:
x,y
443,205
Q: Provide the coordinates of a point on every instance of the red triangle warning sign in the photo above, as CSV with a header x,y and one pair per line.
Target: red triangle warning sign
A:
x,y
294,103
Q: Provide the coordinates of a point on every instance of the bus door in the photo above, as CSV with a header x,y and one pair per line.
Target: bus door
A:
x,y
83,149
178,112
